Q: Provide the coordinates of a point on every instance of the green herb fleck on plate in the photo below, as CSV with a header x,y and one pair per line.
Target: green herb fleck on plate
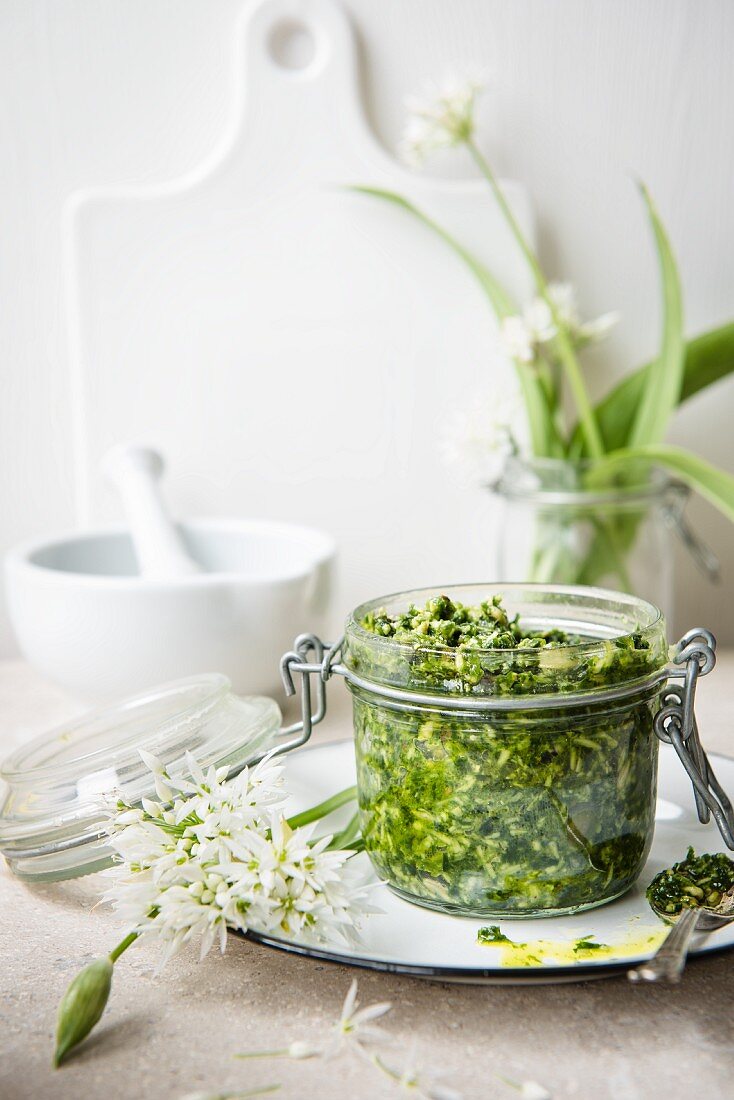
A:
x,y
492,934
585,943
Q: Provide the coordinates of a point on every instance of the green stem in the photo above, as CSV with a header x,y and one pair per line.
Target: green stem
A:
x,y
280,1053
379,1064
123,946
260,1090
349,834
323,808
607,529
566,353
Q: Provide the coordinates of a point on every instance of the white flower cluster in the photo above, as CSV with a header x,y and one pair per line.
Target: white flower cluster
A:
x,y
214,854
477,438
444,118
526,335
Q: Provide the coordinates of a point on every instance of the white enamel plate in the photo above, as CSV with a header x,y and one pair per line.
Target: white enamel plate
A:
x,y
407,939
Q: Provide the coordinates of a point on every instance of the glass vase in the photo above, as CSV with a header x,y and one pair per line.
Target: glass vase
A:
x,y
554,530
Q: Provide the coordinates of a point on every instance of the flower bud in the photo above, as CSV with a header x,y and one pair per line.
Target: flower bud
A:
x,y
164,792
300,1049
82,1005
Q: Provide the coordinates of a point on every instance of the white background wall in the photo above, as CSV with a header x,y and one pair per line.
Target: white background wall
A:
x,y
583,96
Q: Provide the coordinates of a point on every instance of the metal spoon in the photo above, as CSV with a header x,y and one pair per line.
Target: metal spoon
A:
x,y
668,962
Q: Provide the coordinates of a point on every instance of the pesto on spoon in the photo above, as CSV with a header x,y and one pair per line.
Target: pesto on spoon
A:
x,y
694,895
695,882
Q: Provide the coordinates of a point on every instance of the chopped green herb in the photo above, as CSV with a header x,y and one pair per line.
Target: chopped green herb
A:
x,y
587,944
694,881
448,647
514,812
492,934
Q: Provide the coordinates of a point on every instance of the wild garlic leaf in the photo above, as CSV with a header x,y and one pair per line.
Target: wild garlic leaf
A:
x,y
709,357
716,485
661,392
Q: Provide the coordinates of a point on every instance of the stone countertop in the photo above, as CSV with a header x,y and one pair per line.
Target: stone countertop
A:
x,y
169,1035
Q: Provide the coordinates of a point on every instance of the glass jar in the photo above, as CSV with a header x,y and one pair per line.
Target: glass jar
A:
x,y
503,807
554,529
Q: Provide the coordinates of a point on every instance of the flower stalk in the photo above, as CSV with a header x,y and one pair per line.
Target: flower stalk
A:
x,y
566,354
336,801
123,946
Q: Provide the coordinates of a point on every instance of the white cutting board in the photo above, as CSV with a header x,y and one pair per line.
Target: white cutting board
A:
x,y
290,347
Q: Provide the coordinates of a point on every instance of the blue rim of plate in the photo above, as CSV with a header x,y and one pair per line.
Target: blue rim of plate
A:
x,y
471,975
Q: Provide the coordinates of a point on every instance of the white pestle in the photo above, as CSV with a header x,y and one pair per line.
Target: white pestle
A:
x,y
136,472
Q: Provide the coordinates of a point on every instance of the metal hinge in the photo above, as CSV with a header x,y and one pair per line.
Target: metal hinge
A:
x,y
675,724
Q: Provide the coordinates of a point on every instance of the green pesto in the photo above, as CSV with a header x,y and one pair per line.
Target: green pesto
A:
x,y
492,934
585,943
481,650
694,881
516,813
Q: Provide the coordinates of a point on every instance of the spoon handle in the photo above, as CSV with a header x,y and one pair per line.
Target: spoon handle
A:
x,y
667,963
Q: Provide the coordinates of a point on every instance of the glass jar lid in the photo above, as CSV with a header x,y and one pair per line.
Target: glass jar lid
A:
x,y
59,786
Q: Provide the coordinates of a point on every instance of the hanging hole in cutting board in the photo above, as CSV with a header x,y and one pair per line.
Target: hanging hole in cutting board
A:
x,y
292,46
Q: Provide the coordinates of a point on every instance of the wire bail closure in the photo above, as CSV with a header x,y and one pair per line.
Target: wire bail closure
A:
x,y
309,656
676,725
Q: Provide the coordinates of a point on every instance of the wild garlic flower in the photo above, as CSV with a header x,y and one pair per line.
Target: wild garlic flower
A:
x,y
531,1090
528,1090
476,439
356,1024
418,1080
444,118
218,854
528,335
349,1032
355,1033
563,296
519,339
